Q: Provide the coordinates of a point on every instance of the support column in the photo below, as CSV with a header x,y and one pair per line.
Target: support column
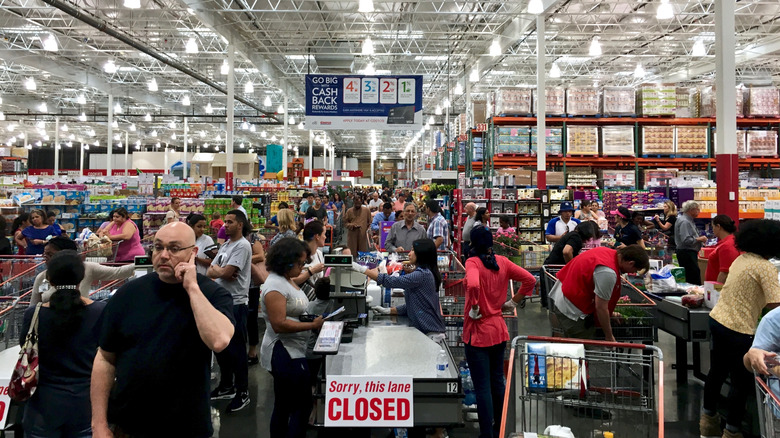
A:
x,y
311,158
184,159
56,146
325,162
81,160
165,158
110,142
373,158
286,127
727,160
127,152
231,85
541,106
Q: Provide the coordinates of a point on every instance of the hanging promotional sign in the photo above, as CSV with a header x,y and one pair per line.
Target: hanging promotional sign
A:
x,y
363,102
369,401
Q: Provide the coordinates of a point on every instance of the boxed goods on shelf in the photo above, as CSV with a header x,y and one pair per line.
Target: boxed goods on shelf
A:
x,y
556,101
658,177
657,99
691,140
708,101
515,177
582,140
618,178
511,101
555,179
582,101
763,102
619,101
478,153
462,125
512,140
617,140
761,143
741,145
553,141
658,140
687,102
581,180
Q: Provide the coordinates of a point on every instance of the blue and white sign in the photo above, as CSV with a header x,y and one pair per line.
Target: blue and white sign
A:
x,y
363,102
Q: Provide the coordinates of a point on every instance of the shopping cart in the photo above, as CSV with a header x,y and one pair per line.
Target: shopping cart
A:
x,y
591,387
767,390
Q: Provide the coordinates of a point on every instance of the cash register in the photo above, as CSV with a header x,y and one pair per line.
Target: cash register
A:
x,y
347,288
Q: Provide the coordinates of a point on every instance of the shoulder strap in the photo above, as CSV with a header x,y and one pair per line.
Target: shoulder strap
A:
x,y
34,322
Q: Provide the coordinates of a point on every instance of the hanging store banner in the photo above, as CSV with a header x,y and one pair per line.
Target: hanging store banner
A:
x,y
364,102
369,401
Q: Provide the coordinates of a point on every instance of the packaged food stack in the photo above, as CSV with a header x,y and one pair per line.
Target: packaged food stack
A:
x,y
619,178
478,149
691,140
461,152
582,140
707,101
658,140
761,143
192,205
556,101
763,101
513,101
619,101
462,125
582,101
617,140
553,141
657,99
658,177
687,102
741,144
513,139
582,180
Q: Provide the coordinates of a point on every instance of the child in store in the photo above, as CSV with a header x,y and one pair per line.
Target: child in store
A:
x,y
505,229
216,222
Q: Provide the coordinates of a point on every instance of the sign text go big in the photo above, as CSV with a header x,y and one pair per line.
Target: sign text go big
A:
x,y
369,401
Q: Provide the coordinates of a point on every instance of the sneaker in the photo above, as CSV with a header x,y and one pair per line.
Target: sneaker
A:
x,y
253,360
223,393
709,426
729,434
240,401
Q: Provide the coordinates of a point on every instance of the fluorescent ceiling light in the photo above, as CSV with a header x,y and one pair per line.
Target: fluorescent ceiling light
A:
x,y
252,128
368,46
366,6
280,109
244,125
132,127
639,72
264,134
249,88
267,102
109,67
595,47
185,100
431,120
132,4
699,49
202,134
30,84
50,44
153,85
225,69
301,126
154,133
81,99
438,110
118,108
147,118
171,125
427,127
43,107
2,116
64,128
555,71
209,108
458,89
83,117
191,46
114,124
292,120
173,136
495,48
369,70
474,75
665,11
535,7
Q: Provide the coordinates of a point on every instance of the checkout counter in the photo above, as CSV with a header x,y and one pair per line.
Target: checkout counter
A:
x,y
357,344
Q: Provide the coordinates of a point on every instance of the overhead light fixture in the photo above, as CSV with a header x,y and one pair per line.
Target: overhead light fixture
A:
x,y
438,110
264,134
20,136
267,102
43,107
244,125
301,126
154,133
291,120
117,108
370,70
273,138
185,101
699,49
219,138
366,6
109,67
132,127
171,125
249,88
173,136
280,109
2,116
147,117
189,140
50,44
132,4
225,69
64,128
446,103
495,48
639,71
153,84
595,47
252,128
555,71
535,7
191,46
368,46
427,127
45,137
30,84
431,120
83,117
81,99
474,75
114,124
665,11
91,133
241,145
458,89
209,108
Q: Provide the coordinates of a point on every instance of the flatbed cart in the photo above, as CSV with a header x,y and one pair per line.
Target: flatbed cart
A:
x,y
767,389
591,387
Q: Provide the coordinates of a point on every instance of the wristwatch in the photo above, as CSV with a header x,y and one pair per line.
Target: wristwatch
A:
x,y
309,271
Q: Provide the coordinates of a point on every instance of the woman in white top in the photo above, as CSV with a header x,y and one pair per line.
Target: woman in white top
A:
x,y
283,350
199,224
314,238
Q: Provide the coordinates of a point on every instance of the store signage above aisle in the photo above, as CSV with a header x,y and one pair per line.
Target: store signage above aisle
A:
x,y
364,102
369,401
92,172
352,173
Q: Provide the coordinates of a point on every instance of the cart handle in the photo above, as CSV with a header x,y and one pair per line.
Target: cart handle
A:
x,y
582,341
760,382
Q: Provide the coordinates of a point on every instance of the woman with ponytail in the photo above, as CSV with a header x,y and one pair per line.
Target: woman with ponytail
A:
x,y
725,251
484,331
68,327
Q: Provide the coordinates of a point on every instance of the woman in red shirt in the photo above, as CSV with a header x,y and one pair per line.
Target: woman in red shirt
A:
x,y
484,331
725,252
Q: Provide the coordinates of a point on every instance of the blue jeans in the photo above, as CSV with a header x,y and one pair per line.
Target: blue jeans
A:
x,y
487,372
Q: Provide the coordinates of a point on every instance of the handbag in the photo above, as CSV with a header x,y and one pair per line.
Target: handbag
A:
x,y
24,379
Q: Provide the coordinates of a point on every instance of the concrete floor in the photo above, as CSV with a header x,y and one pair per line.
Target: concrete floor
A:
x,y
682,402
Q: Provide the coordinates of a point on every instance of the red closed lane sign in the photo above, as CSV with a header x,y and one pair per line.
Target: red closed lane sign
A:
x,y
369,401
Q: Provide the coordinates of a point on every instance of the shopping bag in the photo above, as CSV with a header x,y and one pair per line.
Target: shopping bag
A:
x,y
24,379
663,280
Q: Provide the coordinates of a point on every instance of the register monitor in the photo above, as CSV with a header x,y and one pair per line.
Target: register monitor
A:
x,y
348,288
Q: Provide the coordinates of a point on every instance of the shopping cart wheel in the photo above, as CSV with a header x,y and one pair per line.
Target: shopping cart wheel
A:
x,y
522,304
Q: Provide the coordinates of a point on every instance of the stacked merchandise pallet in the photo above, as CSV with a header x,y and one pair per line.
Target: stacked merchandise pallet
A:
x,y
631,199
513,140
690,141
687,102
656,99
752,202
582,101
582,140
618,179
619,101
556,101
658,177
617,141
513,101
707,102
657,140
763,102
553,141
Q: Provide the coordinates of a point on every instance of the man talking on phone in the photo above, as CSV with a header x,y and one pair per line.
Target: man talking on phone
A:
x,y
231,269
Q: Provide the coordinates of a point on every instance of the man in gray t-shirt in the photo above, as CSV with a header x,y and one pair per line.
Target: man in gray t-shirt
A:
x,y
231,269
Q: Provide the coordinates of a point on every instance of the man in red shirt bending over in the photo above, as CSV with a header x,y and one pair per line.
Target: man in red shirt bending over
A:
x,y
588,289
